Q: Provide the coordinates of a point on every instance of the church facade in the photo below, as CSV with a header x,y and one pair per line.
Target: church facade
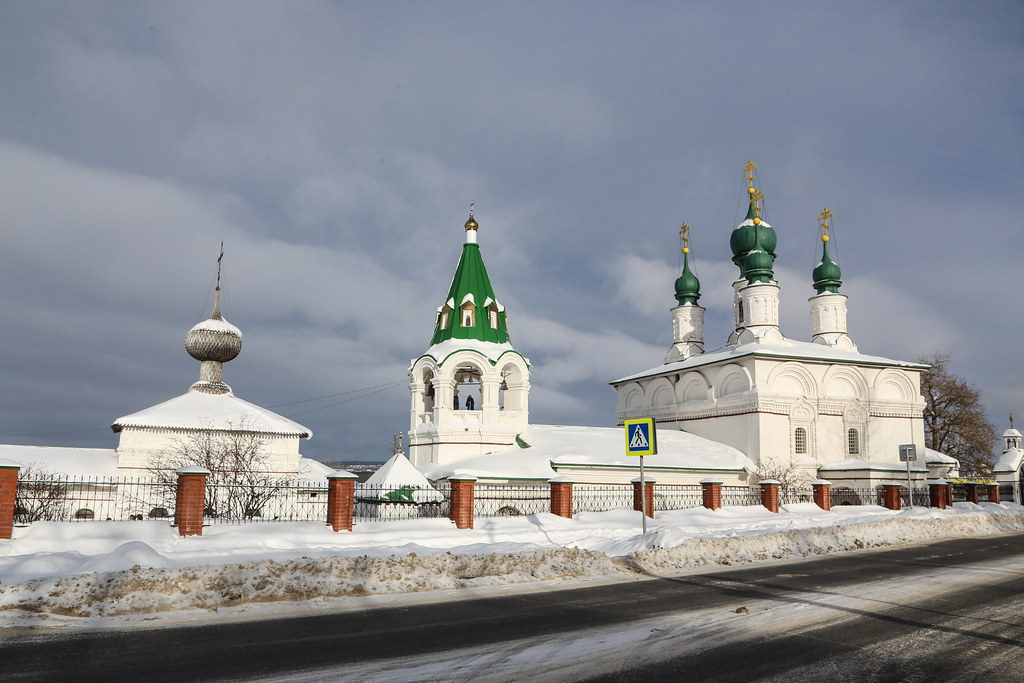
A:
x,y
819,408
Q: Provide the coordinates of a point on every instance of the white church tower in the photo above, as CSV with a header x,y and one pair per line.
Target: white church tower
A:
x,y
470,390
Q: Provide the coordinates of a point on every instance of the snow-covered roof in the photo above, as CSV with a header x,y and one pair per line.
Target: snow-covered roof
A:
x,y
310,470
788,349
77,462
1011,432
936,457
1010,460
217,325
553,446
224,412
492,351
398,475
855,464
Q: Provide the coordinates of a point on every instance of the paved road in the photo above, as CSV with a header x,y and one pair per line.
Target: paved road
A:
x,y
946,611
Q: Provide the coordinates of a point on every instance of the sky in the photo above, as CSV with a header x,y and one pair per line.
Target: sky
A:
x,y
335,147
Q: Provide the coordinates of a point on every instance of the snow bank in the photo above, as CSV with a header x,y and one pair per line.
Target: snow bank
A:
x,y
133,569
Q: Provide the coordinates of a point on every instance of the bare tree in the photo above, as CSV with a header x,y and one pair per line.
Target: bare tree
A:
x,y
954,418
240,484
40,495
788,474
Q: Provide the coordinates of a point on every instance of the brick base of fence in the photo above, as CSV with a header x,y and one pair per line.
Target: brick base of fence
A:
x,y
993,493
561,496
822,493
937,495
639,499
8,494
462,501
189,500
711,493
341,500
891,497
770,494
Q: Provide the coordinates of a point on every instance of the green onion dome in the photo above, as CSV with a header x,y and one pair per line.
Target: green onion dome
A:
x,y
687,284
827,275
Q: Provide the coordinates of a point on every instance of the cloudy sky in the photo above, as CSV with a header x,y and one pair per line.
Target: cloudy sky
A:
x,y
334,147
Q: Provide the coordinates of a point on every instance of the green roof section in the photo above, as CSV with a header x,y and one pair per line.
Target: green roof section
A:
x,y
753,241
687,285
827,274
471,311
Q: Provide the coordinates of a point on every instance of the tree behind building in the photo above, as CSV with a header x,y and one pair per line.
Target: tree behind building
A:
x,y
954,418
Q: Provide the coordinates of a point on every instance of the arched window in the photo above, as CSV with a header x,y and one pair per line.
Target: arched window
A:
x,y
467,315
85,513
853,442
492,317
800,440
739,307
445,313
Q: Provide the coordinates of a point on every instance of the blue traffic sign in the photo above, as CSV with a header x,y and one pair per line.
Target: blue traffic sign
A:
x,y
641,437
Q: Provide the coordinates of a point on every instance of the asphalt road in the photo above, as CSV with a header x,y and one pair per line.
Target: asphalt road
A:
x,y
946,611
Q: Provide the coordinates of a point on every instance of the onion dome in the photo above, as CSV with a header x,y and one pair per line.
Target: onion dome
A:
x,y
214,339
827,274
753,241
687,284
471,224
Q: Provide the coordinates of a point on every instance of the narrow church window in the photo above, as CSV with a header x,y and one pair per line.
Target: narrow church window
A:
x,y
739,304
444,319
467,316
492,318
800,440
853,442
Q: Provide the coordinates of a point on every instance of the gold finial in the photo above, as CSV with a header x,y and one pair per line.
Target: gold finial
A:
x,y
471,224
823,223
684,236
756,196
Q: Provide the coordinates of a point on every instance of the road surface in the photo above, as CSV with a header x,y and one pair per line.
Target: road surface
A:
x,y
945,611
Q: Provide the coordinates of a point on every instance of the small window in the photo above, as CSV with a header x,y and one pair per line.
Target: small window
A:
x,y
800,440
492,318
85,513
444,318
853,442
739,306
467,315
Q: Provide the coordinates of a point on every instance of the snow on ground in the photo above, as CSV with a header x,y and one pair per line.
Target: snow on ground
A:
x,y
90,573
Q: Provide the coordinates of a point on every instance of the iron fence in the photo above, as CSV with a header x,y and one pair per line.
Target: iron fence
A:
x,y
385,503
740,495
62,498
844,495
501,500
795,494
601,497
677,496
265,502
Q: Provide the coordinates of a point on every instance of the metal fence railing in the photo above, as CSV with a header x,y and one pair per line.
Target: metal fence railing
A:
x,y
601,497
385,503
500,500
64,498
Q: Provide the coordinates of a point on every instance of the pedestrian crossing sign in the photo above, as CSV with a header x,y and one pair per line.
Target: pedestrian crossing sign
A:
x,y
641,437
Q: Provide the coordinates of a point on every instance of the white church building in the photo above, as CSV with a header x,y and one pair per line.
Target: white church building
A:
x,y
761,403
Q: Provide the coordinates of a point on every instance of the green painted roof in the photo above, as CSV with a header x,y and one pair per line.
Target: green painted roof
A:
x,y
471,296
687,285
753,247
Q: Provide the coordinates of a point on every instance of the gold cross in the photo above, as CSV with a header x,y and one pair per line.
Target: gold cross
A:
x,y
823,220
749,171
684,236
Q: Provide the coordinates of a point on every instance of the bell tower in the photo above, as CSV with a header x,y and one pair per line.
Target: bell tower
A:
x,y
469,391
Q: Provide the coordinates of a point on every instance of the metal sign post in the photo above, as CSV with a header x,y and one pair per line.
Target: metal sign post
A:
x,y
908,454
641,440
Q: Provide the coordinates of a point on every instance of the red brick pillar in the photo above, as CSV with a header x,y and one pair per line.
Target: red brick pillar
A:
x,y
822,493
8,492
937,494
770,494
189,500
648,493
949,493
972,492
711,493
341,499
993,493
462,500
891,497
561,496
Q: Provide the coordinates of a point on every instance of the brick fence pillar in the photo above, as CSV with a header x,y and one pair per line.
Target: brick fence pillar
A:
x,y
648,494
949,493
770,494
341,499
462,501
822,493
711,493
891,497
993,493
937,494
972,492
189,500
561,496
8,493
